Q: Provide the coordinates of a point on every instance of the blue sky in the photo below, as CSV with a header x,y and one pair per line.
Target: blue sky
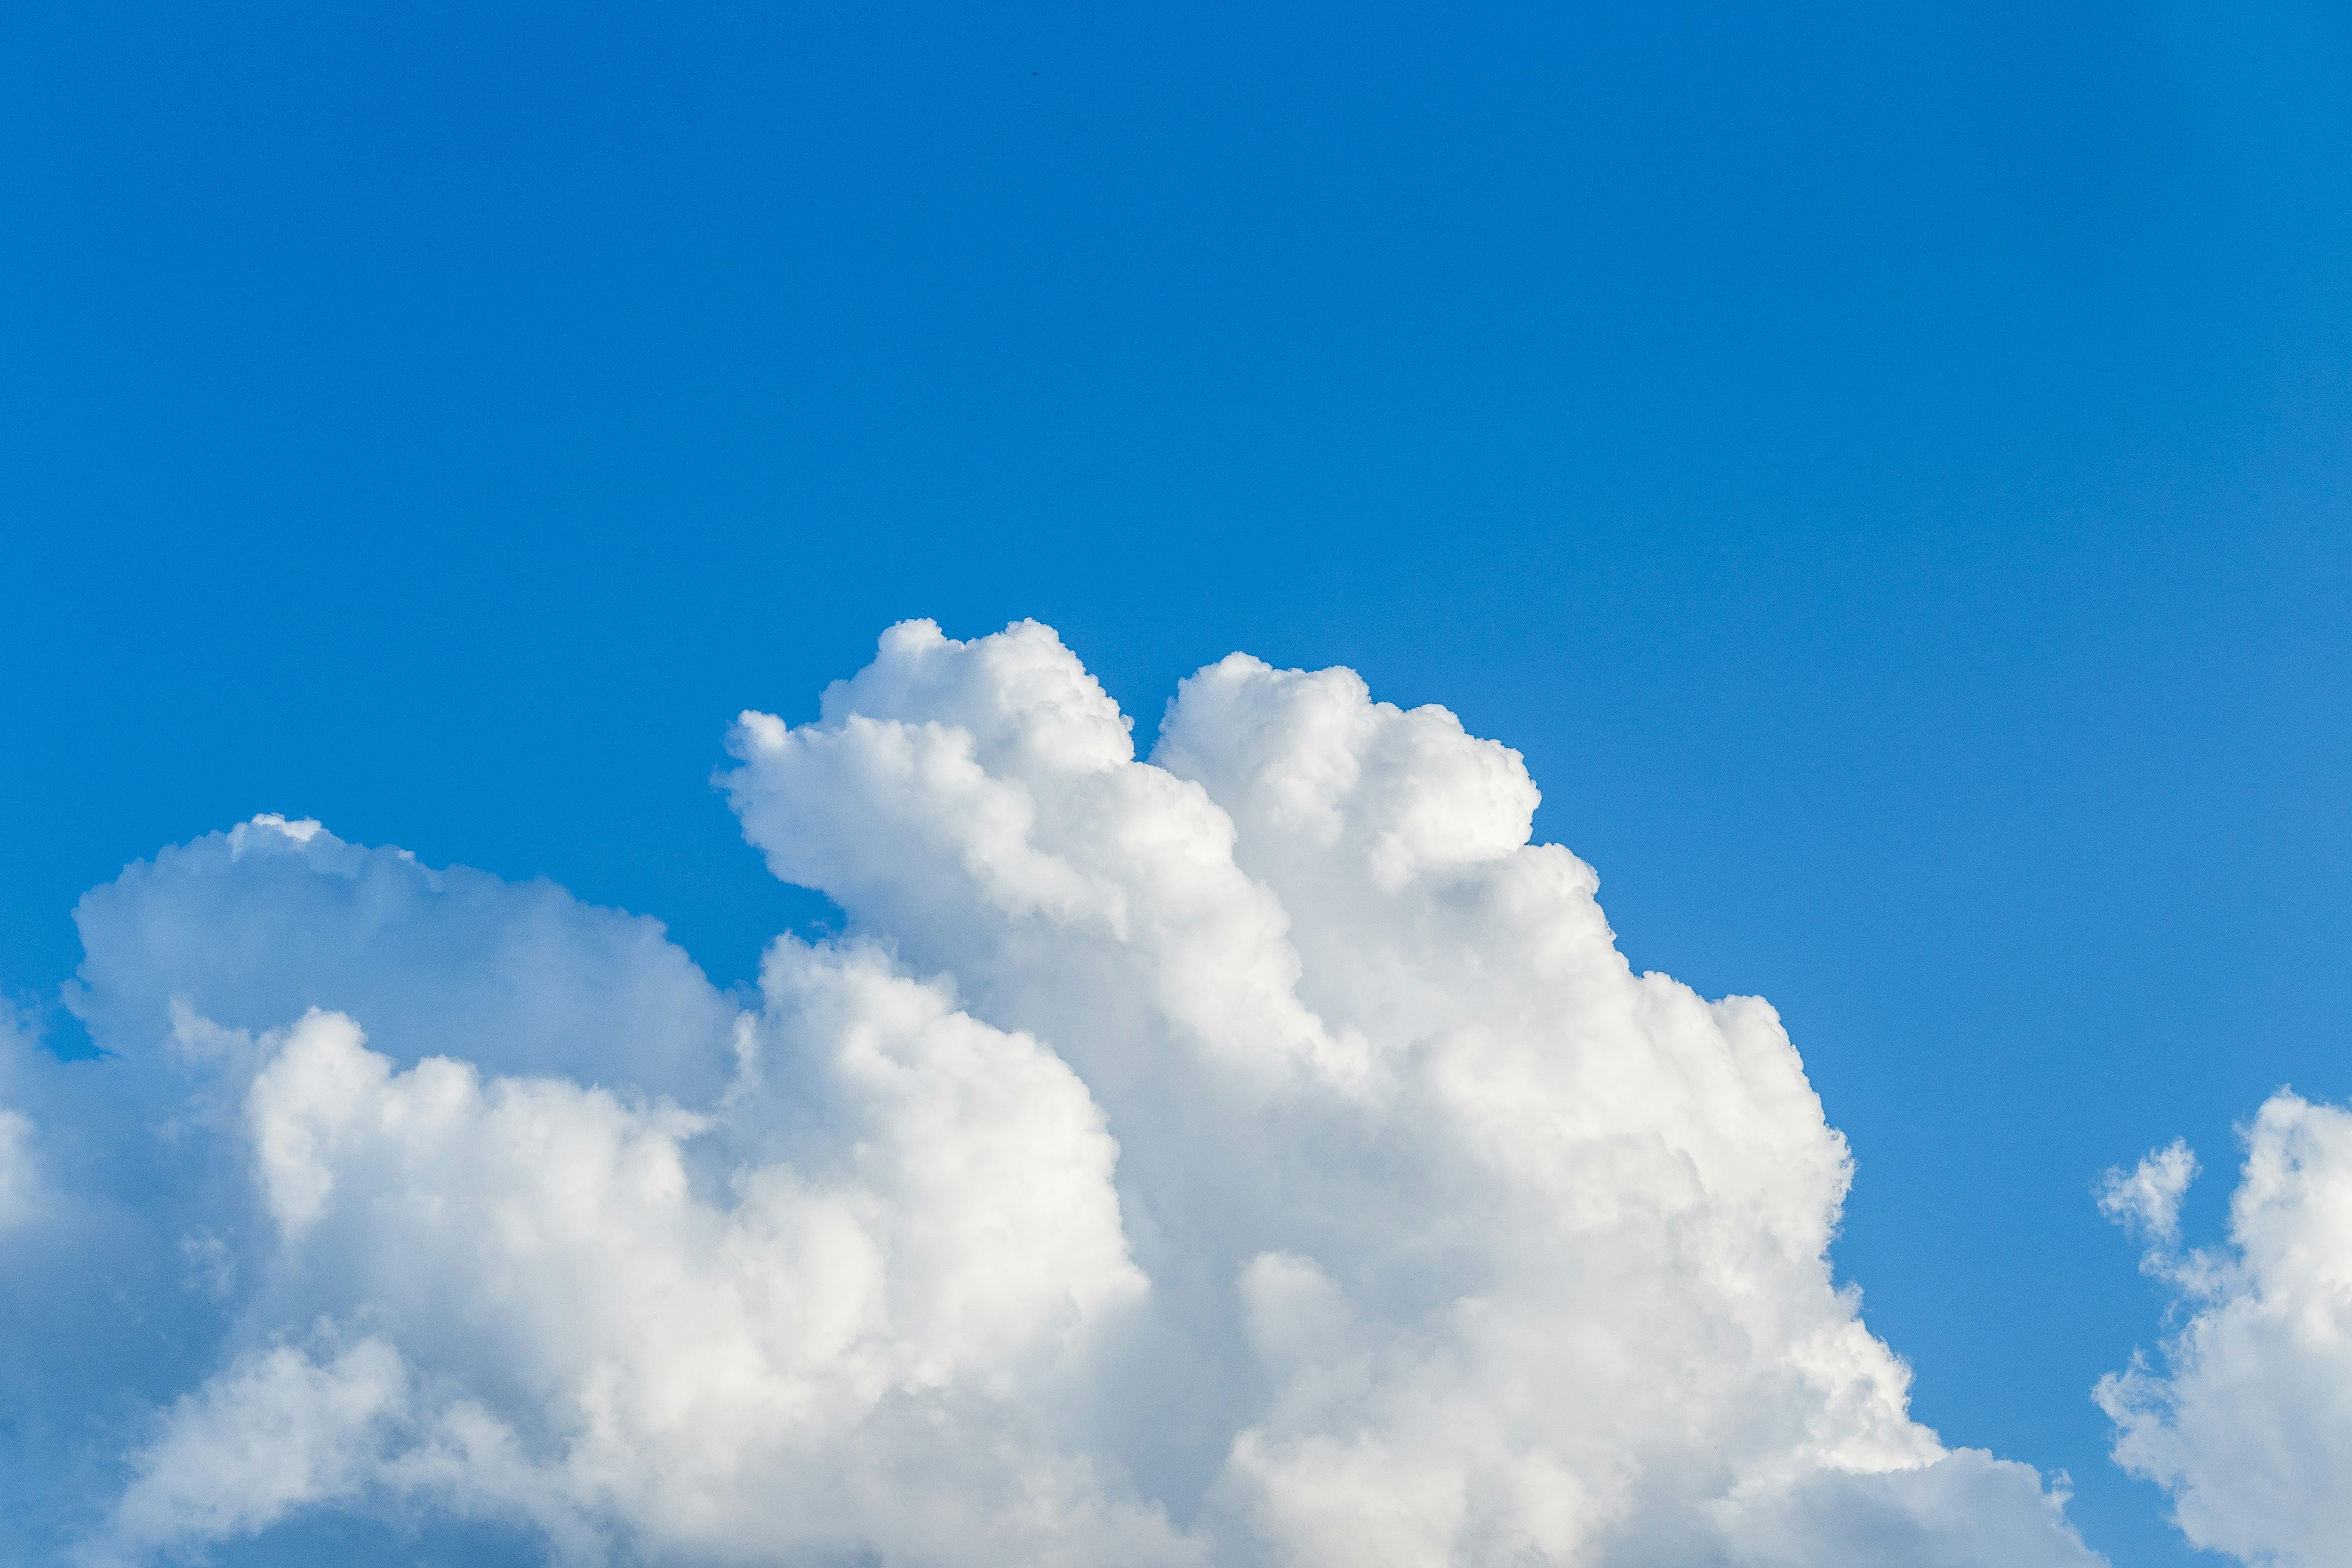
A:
x,y
1886,472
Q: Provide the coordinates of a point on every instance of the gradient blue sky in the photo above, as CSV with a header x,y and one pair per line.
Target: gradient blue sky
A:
x,y
1887,470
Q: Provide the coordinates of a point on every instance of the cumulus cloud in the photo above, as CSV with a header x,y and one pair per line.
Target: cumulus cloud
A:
x,y
2249,1423
1256,1155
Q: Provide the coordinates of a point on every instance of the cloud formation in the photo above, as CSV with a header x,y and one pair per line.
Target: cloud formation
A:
x,y
1259,1155
2249,1426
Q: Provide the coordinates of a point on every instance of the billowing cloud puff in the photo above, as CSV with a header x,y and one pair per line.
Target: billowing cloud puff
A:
x,y
1260,1156
2250,1426
250,928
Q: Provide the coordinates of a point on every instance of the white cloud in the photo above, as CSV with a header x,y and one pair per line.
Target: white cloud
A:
x,y
246,930
24,1192
1257,1156
849,1347
276,1431
2249,1426
2148,1198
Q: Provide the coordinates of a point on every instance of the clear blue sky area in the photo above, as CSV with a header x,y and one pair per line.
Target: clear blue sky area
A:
x,y
1885,467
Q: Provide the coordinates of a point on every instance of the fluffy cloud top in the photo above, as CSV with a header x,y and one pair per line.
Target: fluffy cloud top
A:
x,y
1259,1155
2250,1426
